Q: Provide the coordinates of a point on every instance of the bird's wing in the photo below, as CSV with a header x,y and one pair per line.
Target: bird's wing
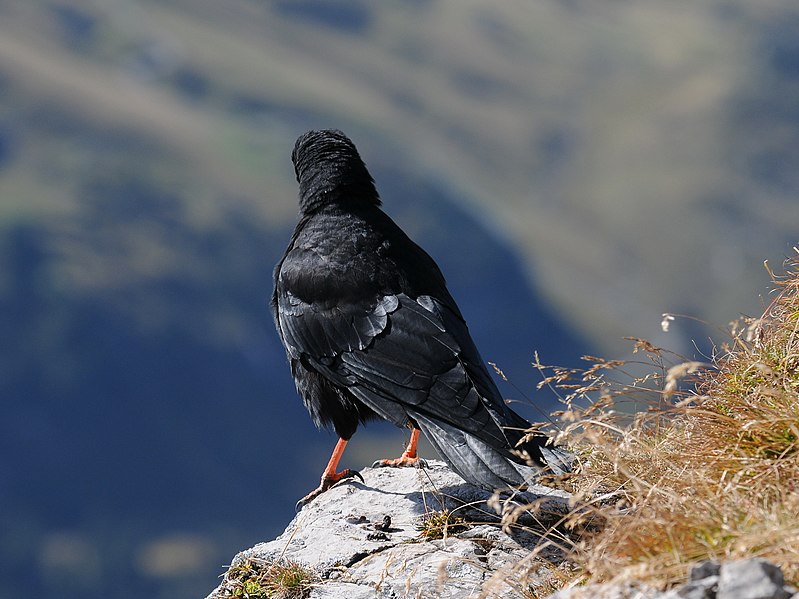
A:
x,y
323,333
400,356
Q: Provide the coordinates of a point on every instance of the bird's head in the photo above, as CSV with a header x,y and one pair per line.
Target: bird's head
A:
x,y
330,170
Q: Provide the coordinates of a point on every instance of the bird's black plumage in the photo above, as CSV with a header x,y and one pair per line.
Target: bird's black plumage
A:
x,y
371,330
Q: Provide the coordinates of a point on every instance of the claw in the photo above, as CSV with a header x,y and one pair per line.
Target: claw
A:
x,y
351,474
328,482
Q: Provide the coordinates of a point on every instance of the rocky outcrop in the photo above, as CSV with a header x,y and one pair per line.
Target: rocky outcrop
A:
x,y
425,533
367,540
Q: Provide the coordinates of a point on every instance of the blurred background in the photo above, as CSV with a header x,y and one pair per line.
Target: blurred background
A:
x,y
577,168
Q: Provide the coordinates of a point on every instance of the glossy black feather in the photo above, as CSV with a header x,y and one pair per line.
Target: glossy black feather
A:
x,y
370,328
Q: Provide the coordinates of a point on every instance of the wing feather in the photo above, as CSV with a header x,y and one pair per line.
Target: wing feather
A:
x,y
402,357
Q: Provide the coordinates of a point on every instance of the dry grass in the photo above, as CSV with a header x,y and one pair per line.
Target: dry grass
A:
x,y
710,470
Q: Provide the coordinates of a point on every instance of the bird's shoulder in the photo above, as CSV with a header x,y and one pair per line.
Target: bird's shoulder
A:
x,y
337,255
333,257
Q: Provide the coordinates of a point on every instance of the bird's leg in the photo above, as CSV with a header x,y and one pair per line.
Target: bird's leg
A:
x,y
408,457
330,477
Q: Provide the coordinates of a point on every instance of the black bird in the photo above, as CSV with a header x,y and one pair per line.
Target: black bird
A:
x,y
371,331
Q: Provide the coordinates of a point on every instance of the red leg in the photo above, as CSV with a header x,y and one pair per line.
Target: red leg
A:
x,y
330,477
408,457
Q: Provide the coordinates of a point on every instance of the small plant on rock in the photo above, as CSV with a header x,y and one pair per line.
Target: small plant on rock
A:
x,y
256,579
439,524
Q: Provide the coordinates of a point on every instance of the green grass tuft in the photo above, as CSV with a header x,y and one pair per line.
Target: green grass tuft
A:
x,y
256,579
440,524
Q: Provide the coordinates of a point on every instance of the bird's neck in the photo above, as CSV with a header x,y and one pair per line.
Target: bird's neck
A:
x,y
344,184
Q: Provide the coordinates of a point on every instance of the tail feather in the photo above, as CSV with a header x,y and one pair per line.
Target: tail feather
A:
x,y
485,466
559,460
554,459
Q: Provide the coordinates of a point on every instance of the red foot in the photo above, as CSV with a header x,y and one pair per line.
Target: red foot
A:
x,y
409,459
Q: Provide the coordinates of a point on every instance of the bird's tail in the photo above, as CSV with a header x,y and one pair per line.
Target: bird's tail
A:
x,y
552,458
559,460
487,467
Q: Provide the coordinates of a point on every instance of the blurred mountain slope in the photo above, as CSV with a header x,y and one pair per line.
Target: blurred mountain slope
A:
x,y
601,138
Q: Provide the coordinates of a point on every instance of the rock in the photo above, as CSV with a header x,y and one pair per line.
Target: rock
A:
x,y
751,579
744,579
704,570
705,588
703,581
363,540
608,591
